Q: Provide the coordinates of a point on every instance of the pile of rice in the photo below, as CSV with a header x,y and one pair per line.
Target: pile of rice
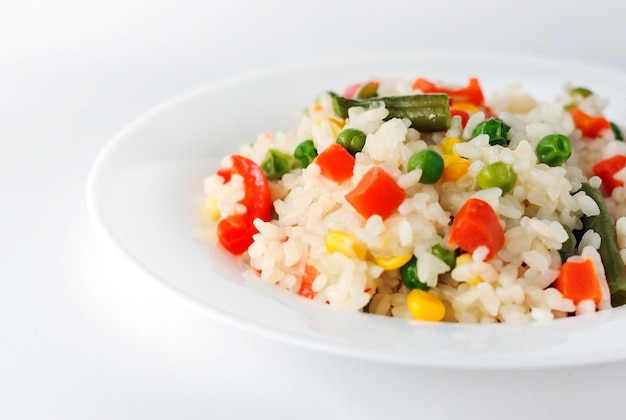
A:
x,y
515,286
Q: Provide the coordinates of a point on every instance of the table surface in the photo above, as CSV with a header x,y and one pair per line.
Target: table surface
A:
x,y
86,334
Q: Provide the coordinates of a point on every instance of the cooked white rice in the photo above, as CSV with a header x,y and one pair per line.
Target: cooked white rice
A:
x,y
514,286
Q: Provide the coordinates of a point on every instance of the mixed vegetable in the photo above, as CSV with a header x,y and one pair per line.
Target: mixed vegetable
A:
x,y
235,231
475,230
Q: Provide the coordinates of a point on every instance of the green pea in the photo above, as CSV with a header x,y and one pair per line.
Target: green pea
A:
x,y
305,153
496,175
408,273
495,128
352,140
617,132
431,164
276,164
554,149
444,254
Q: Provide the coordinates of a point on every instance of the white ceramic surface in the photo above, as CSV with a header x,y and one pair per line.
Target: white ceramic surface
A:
x,y
144,193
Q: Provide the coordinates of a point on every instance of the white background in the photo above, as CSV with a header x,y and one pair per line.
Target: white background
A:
x,y
85,334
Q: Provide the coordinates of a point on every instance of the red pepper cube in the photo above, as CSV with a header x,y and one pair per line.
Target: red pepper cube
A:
x,y
463,114
471,93
476,224
336,163
606,169
376,193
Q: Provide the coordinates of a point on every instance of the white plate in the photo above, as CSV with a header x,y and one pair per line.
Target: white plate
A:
x,y
145,194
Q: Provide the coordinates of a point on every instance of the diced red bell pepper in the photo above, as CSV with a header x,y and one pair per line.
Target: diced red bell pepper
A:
x,y
463,114
235,232
589,125
376,193
336,163
476,224
471,93
606,170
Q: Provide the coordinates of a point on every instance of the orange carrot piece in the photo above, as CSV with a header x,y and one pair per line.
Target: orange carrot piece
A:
x,y
476,224
376,193
589,125
336,163
578,281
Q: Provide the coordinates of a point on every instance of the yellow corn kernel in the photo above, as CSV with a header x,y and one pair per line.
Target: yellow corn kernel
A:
x,y
474,280
336,125
454,167
345,243
425,306
391,263
447,145
465,106
464,259
211,210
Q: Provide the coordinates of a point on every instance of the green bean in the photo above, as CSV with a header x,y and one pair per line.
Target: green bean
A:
x,y
276,164
305,153
431,164
568,246
495,128
496,175
554,149
352,140
408,273
427,113
611,260
617,132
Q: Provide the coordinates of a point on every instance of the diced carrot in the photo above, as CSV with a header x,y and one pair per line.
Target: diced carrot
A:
x,y
606,170
376,193
589,125
306,285
476,224
472,93
336,163
578,281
